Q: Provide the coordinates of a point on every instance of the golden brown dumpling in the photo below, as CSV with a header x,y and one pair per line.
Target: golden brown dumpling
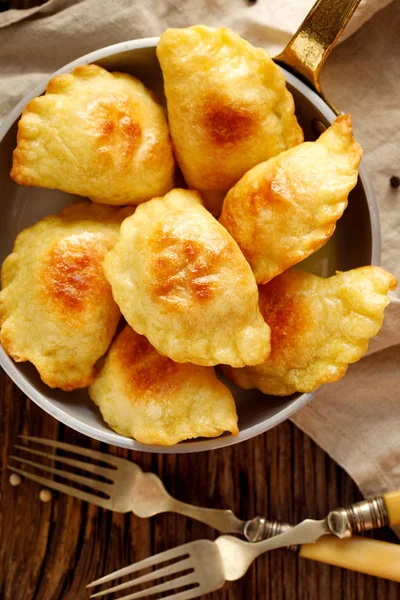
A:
x,y
228,107
318,326
284,209
147,396
56,307
180,279
96,134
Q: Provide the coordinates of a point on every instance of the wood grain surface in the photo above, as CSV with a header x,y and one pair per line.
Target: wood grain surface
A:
x,y
20,4
51,551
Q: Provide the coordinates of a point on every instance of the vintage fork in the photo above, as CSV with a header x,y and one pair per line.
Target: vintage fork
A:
x,y
202,566
125,487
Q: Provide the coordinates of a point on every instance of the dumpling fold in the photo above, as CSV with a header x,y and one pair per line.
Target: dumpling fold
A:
x,y
147,396
180,279
228,107
97,134
56,306
318,327
286,208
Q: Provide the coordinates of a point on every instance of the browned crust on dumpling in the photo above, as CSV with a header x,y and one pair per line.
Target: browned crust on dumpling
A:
x,y
228,107
286,208
56,307
181,280
187,263
97,134
147,373
226,124
318,327
147,396
72,277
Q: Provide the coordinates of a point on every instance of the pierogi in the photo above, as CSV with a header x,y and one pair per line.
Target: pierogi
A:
x,y
180,279
283,210
56,306
318,327
228,107
144,395
96,134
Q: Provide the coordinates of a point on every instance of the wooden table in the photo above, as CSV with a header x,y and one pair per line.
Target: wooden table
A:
x,y
50,551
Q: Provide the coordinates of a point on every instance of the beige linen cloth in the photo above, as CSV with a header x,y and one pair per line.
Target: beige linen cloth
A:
x,y
357,420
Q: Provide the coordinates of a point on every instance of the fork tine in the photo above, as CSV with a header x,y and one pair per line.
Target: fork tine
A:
x,y
100,486
107,458
61,487
152,561
179,582
80,464
164,572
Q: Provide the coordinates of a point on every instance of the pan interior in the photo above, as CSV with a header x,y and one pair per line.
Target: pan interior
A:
x,y
349,247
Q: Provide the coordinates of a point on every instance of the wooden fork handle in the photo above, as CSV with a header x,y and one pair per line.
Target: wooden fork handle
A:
x,y
392,501
372,557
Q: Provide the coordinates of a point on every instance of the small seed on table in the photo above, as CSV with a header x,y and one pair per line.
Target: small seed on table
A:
x,y
45,495
15,479
395,181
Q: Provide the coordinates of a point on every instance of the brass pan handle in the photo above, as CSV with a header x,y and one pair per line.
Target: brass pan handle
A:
x,y
311,44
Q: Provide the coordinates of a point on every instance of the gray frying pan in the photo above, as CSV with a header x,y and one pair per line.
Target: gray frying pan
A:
x,y
356,240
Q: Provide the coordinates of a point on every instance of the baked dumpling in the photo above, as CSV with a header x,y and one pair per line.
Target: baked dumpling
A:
x,y
318,326
144,395
180,279
228,107
56,307
284,209
96,134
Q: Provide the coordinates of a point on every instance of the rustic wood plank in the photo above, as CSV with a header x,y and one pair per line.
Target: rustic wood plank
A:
x,y
20,4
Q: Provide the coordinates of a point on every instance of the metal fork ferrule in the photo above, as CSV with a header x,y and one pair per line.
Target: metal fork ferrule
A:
x,y
359,517
260,528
